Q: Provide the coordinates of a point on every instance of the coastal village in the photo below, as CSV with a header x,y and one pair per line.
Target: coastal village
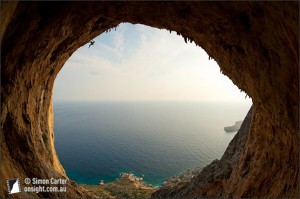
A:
x,y
130,186
126,186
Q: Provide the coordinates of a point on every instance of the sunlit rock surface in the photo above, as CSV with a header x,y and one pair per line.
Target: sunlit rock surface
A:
x,y
256,45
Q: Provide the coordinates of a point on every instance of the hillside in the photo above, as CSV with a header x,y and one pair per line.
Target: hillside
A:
x,y
127,186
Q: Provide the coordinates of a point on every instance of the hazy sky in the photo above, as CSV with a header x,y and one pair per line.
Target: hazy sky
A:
x,y
137,62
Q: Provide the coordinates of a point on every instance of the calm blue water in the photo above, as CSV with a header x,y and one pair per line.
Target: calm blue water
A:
x,y
99,140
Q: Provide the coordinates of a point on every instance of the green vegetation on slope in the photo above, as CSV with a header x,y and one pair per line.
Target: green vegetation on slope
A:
x,y
130,186
127,186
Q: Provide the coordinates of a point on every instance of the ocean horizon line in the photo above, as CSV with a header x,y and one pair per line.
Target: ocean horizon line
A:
x,y
160,101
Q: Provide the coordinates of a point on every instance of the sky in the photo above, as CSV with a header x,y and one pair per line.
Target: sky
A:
x,y
138,62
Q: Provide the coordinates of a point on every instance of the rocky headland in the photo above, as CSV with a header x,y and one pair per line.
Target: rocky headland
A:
x,y
234,128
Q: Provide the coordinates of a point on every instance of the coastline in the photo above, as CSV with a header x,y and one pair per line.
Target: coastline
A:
x,y
130,186
126,186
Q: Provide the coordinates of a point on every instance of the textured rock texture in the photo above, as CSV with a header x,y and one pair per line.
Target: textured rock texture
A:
x,y
256,45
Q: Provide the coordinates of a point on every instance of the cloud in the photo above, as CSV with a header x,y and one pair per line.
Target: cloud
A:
x,y
139,62
118,39
94,73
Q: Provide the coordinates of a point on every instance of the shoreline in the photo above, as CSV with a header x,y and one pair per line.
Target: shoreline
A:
x,y
126,186
129,185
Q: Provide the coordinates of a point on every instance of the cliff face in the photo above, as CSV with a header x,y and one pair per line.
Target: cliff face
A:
x,y
210,182
254,43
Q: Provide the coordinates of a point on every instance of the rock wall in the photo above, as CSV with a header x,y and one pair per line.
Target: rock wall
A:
x,y
256,44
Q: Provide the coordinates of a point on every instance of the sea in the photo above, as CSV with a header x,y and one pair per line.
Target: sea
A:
x,y
99,140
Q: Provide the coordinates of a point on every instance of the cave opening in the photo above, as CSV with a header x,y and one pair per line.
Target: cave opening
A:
x,y
142,100
255,44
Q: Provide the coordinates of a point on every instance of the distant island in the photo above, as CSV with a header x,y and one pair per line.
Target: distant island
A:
x,y
234,128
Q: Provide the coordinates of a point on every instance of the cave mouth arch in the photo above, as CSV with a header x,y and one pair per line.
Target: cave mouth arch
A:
x,y
164,65
254,43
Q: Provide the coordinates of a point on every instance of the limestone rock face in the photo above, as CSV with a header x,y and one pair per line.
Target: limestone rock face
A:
x,y
256,44
210,182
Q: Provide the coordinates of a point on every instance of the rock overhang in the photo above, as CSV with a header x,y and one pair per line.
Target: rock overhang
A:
x,y
254,43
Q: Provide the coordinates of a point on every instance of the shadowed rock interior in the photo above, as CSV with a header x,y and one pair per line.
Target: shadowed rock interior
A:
x,y
256,44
